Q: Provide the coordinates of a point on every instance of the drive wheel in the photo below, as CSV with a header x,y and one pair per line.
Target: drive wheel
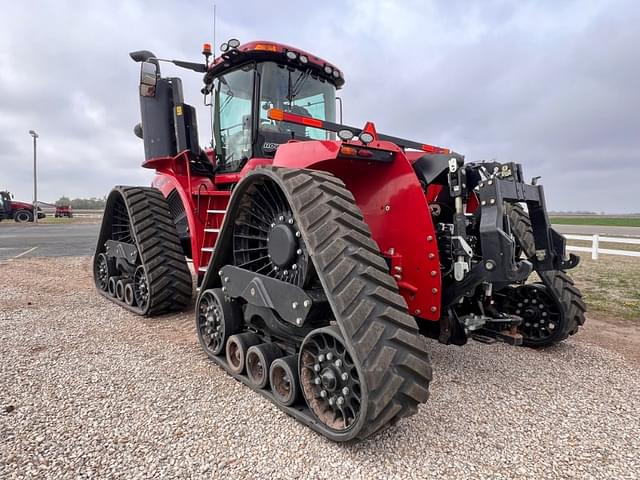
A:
x,y
331,381
267,239
23,216
217,319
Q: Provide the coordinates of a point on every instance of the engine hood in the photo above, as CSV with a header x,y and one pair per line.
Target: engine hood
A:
x,y
21,205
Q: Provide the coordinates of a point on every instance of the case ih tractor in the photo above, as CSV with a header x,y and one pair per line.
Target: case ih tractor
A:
x,y
19,211
325,254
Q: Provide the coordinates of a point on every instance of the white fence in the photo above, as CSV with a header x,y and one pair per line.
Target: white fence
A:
x,y
595,245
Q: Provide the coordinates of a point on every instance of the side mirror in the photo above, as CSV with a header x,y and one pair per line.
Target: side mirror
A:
x,y
148,79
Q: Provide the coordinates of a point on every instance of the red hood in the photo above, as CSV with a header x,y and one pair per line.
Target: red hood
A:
x,y
20,205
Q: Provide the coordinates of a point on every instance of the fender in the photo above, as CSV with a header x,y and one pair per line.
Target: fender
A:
x,y
394,206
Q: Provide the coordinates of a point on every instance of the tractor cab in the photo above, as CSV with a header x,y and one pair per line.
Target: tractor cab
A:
x,y
241,86
249,80
5,205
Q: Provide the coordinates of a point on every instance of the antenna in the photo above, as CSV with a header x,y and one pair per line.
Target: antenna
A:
x,y
214,31
211,113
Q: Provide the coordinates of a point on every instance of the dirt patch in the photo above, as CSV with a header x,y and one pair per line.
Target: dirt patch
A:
x,y
614,335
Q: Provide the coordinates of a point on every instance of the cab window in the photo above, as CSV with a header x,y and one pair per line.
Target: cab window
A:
x,y
295,91
232,124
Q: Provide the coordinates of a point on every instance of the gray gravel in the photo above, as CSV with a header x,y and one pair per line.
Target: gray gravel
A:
x,y
93,391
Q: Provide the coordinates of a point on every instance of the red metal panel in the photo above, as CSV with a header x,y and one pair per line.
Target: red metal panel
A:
x,y
394,206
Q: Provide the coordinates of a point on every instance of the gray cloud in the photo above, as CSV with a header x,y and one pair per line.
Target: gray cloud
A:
x,y
550,84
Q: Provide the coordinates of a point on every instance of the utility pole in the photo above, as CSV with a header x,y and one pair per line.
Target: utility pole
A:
x,y
35,178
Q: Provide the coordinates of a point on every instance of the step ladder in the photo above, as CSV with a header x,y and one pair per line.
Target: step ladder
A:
x,y
215,215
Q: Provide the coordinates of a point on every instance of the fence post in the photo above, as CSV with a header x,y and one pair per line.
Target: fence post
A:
x,y
594,247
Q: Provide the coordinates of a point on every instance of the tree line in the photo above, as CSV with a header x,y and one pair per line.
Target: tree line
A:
x,y
93,203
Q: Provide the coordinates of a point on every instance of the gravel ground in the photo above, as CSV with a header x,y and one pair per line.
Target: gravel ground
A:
x,y
88,390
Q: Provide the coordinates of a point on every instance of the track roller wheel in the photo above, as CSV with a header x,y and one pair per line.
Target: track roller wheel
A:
x,y
129,296
259,360
237,347
217,319
111,288
331,381
284,380
103,269
120,290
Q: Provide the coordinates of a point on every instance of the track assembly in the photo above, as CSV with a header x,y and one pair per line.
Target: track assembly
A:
x,y
327,390
139,263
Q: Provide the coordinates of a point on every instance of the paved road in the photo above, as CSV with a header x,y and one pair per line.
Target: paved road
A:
x,y
60,240
592,229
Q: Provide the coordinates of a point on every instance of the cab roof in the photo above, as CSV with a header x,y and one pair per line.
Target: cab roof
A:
x,y
263,51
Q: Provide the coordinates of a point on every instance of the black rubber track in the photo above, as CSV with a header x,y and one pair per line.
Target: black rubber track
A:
x,y
561,285
159,249
371,314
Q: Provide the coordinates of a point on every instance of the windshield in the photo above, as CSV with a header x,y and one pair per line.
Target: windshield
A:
x,y
298,92
232,124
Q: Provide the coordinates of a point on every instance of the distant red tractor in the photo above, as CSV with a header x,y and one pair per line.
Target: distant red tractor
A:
x,y
19,211
325,254
64,211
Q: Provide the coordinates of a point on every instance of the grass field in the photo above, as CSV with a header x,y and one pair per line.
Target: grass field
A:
x,y
610,285
598,220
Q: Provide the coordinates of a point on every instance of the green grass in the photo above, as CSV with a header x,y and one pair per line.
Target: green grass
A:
x,y
52,219
610,286
598,220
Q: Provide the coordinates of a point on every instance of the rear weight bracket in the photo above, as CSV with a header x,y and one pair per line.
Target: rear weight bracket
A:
x,y
290,301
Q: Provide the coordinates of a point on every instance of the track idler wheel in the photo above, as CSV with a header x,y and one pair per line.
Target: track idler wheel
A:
x,y
259,360
141,288
103,270
541,315
284,380
331,381
237,347
551,310
217,319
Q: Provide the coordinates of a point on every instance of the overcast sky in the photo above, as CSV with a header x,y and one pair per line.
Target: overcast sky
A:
x,y
554,85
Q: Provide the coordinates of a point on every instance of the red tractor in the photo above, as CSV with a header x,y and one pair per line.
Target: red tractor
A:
x,y
325,254
19,211
64,211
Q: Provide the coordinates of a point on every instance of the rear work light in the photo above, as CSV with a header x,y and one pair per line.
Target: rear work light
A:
x,y
366,153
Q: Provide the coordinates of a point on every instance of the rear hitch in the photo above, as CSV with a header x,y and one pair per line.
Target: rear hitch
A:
x,y
492,329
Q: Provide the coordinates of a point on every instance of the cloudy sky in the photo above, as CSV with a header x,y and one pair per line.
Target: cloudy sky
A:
x,y
554,85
